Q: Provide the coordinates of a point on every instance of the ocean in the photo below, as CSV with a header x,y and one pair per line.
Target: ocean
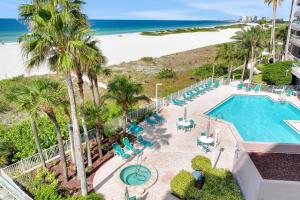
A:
x,y
11,29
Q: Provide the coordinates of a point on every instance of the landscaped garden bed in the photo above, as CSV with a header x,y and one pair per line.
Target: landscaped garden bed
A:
x,y
217,183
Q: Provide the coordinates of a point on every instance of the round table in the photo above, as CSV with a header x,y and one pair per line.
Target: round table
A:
x,y
184,123
206,140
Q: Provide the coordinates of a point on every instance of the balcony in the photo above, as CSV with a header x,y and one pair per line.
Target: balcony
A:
x,y
296,26
297,13
295,40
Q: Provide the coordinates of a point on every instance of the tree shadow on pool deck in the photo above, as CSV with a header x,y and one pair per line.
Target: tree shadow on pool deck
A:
x,y
158,136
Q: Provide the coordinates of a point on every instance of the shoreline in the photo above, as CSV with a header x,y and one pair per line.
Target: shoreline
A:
x,y
121,48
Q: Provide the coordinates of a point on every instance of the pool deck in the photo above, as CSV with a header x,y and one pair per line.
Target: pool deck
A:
x,y
174,149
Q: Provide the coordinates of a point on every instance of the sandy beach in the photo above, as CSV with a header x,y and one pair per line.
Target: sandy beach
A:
x,y
121,48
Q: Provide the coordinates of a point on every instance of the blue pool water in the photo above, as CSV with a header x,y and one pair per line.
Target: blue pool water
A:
x,y
135,175
259,118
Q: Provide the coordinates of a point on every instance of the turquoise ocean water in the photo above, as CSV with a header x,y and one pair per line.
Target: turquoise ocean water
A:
x,y
259,118
11,29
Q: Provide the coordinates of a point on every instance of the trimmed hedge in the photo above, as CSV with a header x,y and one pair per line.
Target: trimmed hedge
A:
x,y
219,184
275,73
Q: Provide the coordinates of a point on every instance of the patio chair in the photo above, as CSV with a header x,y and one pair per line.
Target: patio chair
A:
x,y
240,86
130,147
159,118
150,121
119,151
180,119
132,198
145,143
203,134
179,127
193,124
257,88
187,128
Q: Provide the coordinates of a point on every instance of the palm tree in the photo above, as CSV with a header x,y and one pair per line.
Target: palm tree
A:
x,y
281,35
227,53
244,46
125,93
55,27
46,92
27,101
274,3
257,40
289,29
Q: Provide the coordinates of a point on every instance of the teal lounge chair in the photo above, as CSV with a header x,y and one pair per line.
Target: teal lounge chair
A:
x,y
187,97
257,88
130,147
178,102
159,118
150,121
119,151
143,142
240,86
289,92
248,89
135,129
217,84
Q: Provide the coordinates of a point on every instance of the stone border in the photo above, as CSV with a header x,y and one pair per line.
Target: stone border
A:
x,y
139,189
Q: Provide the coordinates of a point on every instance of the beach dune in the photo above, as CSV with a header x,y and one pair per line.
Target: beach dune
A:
x,y
121,48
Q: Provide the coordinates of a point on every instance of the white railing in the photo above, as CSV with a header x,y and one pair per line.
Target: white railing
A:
x,y
32,162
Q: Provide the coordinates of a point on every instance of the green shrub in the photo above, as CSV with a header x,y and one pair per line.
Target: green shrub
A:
x,y
219,184
148,60
92,196
205,71
238,74
201,163
258,79
181,183
46,192
277,74
166,73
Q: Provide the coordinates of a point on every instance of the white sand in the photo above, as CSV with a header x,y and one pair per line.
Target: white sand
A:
x,y
121,48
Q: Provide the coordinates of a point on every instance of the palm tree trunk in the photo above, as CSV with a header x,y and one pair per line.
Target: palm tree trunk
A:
x,y
83,118
77,142
289,30
273,31
92,89
97,94
229,73
253,63
97,124
37,141
61,148
244,67
71,136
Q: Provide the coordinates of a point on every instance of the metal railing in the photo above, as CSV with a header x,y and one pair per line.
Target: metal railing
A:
x,y
32,162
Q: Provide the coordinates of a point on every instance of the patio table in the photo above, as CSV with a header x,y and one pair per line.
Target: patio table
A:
x,y
184,123
206,140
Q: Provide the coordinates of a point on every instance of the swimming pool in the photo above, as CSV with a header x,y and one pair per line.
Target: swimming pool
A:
x,y
259,118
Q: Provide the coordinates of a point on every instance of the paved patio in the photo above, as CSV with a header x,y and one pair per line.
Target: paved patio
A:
x,y
174,149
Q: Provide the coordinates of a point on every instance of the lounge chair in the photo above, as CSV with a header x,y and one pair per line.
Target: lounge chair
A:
x,y
119,151
248,89
289,92
187,97
145,143
257,88
150,121
159,118
135,129
130,147
178,102
240,86
217,84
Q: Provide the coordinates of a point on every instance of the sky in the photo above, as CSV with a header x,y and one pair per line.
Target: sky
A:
x,y
166,9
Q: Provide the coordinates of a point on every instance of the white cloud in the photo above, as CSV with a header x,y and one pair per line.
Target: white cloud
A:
x,y
164,14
